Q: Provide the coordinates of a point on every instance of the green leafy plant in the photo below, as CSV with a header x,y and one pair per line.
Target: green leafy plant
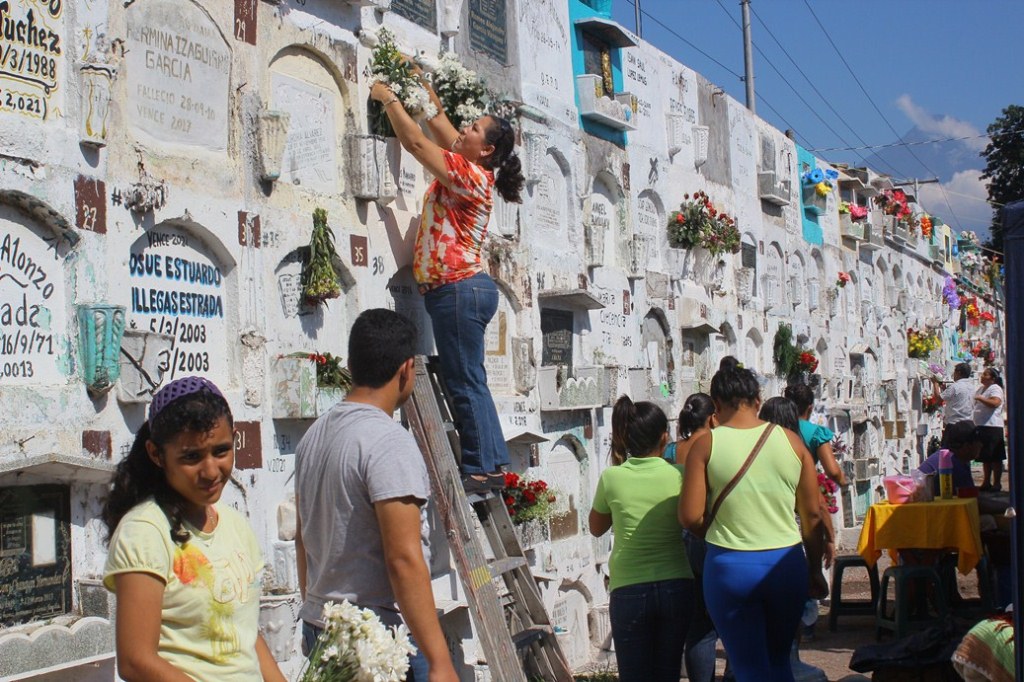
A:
x,y
319,279
699,223
784,351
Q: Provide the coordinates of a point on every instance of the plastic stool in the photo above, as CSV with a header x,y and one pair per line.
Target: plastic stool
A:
x,y
900,622
850,607
984,604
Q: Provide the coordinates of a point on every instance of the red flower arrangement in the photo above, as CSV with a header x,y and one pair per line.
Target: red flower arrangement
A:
x,y
842,279
806,362
931,404
526,499
828,490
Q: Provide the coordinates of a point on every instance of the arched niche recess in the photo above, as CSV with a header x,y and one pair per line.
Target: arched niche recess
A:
x,y
650,222
404,297
606,219
299,322
181,283
656,337
549,201
752,345
568,469
304,83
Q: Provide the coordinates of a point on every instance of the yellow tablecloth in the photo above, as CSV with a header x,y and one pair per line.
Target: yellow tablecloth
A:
x,y
940,524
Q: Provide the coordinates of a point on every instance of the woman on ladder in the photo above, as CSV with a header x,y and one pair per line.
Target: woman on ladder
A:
x,y
468,165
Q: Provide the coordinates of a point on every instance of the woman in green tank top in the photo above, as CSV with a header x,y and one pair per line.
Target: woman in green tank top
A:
x,y
756,576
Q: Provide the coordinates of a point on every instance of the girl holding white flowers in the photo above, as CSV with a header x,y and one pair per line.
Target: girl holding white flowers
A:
x,y
460,297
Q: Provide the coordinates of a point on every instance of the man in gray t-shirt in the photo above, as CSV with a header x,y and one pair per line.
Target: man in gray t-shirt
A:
x,y
361,490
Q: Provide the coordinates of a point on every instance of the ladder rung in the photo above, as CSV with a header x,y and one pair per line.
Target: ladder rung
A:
x,y
506,565
530,635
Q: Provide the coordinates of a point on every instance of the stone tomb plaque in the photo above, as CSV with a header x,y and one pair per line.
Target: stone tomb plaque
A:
x,y
178,289
556,328
35,553
179,71
497,356
33,55
309,152
488,31
422,12
33,319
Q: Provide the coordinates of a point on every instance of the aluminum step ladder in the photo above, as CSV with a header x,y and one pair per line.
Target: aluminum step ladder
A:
x,y
515,631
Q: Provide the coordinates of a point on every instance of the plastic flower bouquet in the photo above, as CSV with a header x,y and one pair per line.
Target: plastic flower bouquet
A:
x,y
389,66
926,226
931,404
527,500
462,93
894,203
828,490
699,223
806,362
355,646
842,279
920,344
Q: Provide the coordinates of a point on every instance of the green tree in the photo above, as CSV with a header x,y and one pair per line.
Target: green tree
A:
x,y
1005,165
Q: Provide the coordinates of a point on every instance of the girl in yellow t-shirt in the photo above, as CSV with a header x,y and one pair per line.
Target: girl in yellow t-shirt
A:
x,y
185,569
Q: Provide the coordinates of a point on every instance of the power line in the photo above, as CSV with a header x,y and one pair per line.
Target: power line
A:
x,y
919,142
786,81
877,109
720,64
820,95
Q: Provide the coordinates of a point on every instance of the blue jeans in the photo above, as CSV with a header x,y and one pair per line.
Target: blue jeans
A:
x,y
418,667
459,313
701,640
649,624
756,599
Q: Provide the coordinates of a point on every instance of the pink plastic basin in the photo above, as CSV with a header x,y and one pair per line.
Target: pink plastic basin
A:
x,y
898,489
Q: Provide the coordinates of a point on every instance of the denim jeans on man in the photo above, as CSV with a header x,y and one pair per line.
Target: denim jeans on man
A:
x,y
459,313
649,625
418,667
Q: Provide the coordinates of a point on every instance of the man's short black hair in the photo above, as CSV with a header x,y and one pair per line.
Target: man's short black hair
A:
x,y
380,341
960,434
962,371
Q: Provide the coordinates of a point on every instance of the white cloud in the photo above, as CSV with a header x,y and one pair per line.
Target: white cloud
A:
x,y
967,195
945,126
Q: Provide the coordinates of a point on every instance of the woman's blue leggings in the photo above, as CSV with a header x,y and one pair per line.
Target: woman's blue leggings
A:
x,y
755,600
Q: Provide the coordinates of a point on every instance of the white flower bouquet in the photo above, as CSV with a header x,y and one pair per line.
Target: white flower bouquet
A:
x,y
463,94
355,646
388,66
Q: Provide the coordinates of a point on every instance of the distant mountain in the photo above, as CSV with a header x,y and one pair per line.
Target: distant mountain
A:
x,y
940,158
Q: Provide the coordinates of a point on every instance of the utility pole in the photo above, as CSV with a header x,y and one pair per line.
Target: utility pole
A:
x,y
748,56
916,182
636,9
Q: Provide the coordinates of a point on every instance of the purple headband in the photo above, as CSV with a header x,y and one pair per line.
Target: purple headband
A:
x,y
177,389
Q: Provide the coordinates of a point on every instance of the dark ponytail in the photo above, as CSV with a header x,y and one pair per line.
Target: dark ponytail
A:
x,y
781,411
801,394
508,169
637,428
695,413
734,384
137,477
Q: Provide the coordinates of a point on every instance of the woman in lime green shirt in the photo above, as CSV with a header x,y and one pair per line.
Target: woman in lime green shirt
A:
x,y
651,583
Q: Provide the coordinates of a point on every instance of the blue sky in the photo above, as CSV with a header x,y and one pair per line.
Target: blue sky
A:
x,y
946,67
